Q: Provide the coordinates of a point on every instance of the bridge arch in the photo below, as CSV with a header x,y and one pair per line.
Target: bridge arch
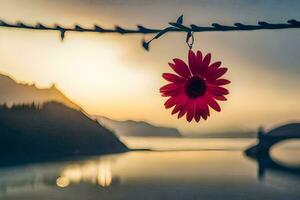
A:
x,y
286,152
277,135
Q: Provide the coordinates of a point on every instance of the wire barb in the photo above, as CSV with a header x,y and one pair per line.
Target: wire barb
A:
x,y
173,27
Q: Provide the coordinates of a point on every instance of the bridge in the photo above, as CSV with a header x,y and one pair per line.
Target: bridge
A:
x,y
268,140
261,151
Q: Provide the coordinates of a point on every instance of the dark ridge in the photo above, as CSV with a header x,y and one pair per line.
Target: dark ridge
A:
x,y
51,131
137,128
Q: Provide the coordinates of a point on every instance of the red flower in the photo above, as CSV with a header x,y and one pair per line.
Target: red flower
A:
x,y
197,86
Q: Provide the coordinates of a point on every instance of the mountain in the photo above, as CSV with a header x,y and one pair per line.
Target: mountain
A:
x,y
13,93
233,134
51,131
137,128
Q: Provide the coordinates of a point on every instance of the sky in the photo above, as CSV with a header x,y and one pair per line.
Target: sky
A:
x,y
113,76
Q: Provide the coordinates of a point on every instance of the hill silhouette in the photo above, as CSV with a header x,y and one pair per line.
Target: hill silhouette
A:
x,y
51,131
227,134
137,128
13,93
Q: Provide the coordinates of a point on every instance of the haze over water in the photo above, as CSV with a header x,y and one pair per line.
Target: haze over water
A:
x,y
222,171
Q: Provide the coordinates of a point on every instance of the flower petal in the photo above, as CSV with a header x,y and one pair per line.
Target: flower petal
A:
x,y
198,112
172,101
190,111
213,67
216,90
172,78
206,60
170,87
193,63
221,82
220,98
172,93
197,115
204,65
207,109
213,104
181,105
180,68
176,109
219,72
199,58
202,108
181,113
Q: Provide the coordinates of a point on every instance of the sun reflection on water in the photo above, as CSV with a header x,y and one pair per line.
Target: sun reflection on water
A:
x,y
104,175
62,182
98,172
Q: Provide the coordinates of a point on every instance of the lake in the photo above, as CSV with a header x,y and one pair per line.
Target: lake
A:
x,y
185,168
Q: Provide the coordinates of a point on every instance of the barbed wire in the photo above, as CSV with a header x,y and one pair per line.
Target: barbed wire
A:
x,y
173,27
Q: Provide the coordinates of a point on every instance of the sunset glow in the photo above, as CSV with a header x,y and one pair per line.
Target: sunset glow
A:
x,y
112,76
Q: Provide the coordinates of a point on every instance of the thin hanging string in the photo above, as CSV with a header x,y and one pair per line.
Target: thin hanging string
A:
x,y
190,40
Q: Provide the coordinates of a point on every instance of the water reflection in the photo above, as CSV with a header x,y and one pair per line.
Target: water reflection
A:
x,y
277,171
213,174
280,159
268,163
62,182
93,172
61,175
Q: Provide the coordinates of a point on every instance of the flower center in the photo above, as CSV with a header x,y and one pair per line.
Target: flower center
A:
x,y
195,87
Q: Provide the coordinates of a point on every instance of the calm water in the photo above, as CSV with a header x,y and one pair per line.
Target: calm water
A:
x,y
204,169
